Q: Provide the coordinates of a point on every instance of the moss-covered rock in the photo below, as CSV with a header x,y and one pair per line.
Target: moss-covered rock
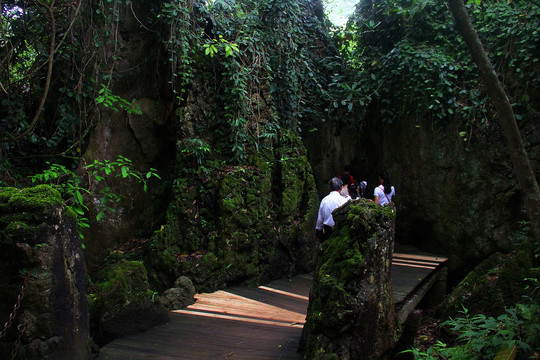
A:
x,y
37,239
493,286
40,197
122,303
25,212
351,310
239,223
179,296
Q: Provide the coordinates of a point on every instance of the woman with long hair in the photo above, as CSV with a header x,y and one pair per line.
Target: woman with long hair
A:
x,y
385,192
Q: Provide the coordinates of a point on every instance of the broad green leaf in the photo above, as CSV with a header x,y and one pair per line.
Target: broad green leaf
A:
x,y
79,197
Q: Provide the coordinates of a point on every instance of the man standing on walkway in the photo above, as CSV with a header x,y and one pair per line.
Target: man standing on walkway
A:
x,y
325,221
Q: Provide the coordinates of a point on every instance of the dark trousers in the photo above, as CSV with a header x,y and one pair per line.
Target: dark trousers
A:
x,y
327,231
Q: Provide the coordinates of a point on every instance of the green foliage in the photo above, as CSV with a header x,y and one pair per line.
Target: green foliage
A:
x,y
86,54
213,47
75,191
483,337
177,15
264,70
114,102
196,148
69,186
406,57
486,336
255,64
432,353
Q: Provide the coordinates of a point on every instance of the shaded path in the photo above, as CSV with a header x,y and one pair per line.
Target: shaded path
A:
x,y
259,323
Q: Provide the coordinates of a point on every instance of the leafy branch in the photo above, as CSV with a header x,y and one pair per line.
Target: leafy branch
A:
x,y
114,102
213,47
75,193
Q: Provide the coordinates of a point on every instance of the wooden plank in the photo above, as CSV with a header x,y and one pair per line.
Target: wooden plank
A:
x,y
412,252
259,331
242,303
285,302
405,279
415,262
282,292
414,265
121,352
246,312
258,320
255,337
196,328
437,259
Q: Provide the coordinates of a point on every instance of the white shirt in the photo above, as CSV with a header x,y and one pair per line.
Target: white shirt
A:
x,y
384,198
328,204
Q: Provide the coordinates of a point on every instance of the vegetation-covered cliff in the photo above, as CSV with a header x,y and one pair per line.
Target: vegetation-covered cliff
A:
x,y
195,138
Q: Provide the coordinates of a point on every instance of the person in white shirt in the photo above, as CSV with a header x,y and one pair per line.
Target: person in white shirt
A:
x,y
325,221
385,192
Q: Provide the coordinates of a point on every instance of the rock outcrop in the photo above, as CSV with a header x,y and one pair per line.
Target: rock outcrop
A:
x,y
179,296
495,285
351,310
40,247
122,303
238,224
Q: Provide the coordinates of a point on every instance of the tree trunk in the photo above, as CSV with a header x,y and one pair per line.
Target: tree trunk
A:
x,y
518,154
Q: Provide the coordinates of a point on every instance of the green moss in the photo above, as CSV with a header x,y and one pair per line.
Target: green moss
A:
x,y
210,261
494,285
6,193
321,354
22,212
240,214
120,284
17,226
38,198
20,230
168,257
344,257
69,213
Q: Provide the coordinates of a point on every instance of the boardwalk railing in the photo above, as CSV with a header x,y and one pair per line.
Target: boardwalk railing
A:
x,y
415,275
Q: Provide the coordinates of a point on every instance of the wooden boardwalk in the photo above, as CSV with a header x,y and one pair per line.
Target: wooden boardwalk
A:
x,y
414,273
258,323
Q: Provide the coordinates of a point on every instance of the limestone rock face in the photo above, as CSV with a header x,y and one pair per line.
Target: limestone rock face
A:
x,y
235,226
39,240
351,310
146,138
456,198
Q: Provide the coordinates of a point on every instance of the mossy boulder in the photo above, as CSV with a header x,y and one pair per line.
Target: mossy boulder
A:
x,y
499,282
24,213
122,303
38,198
351,310
180,295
